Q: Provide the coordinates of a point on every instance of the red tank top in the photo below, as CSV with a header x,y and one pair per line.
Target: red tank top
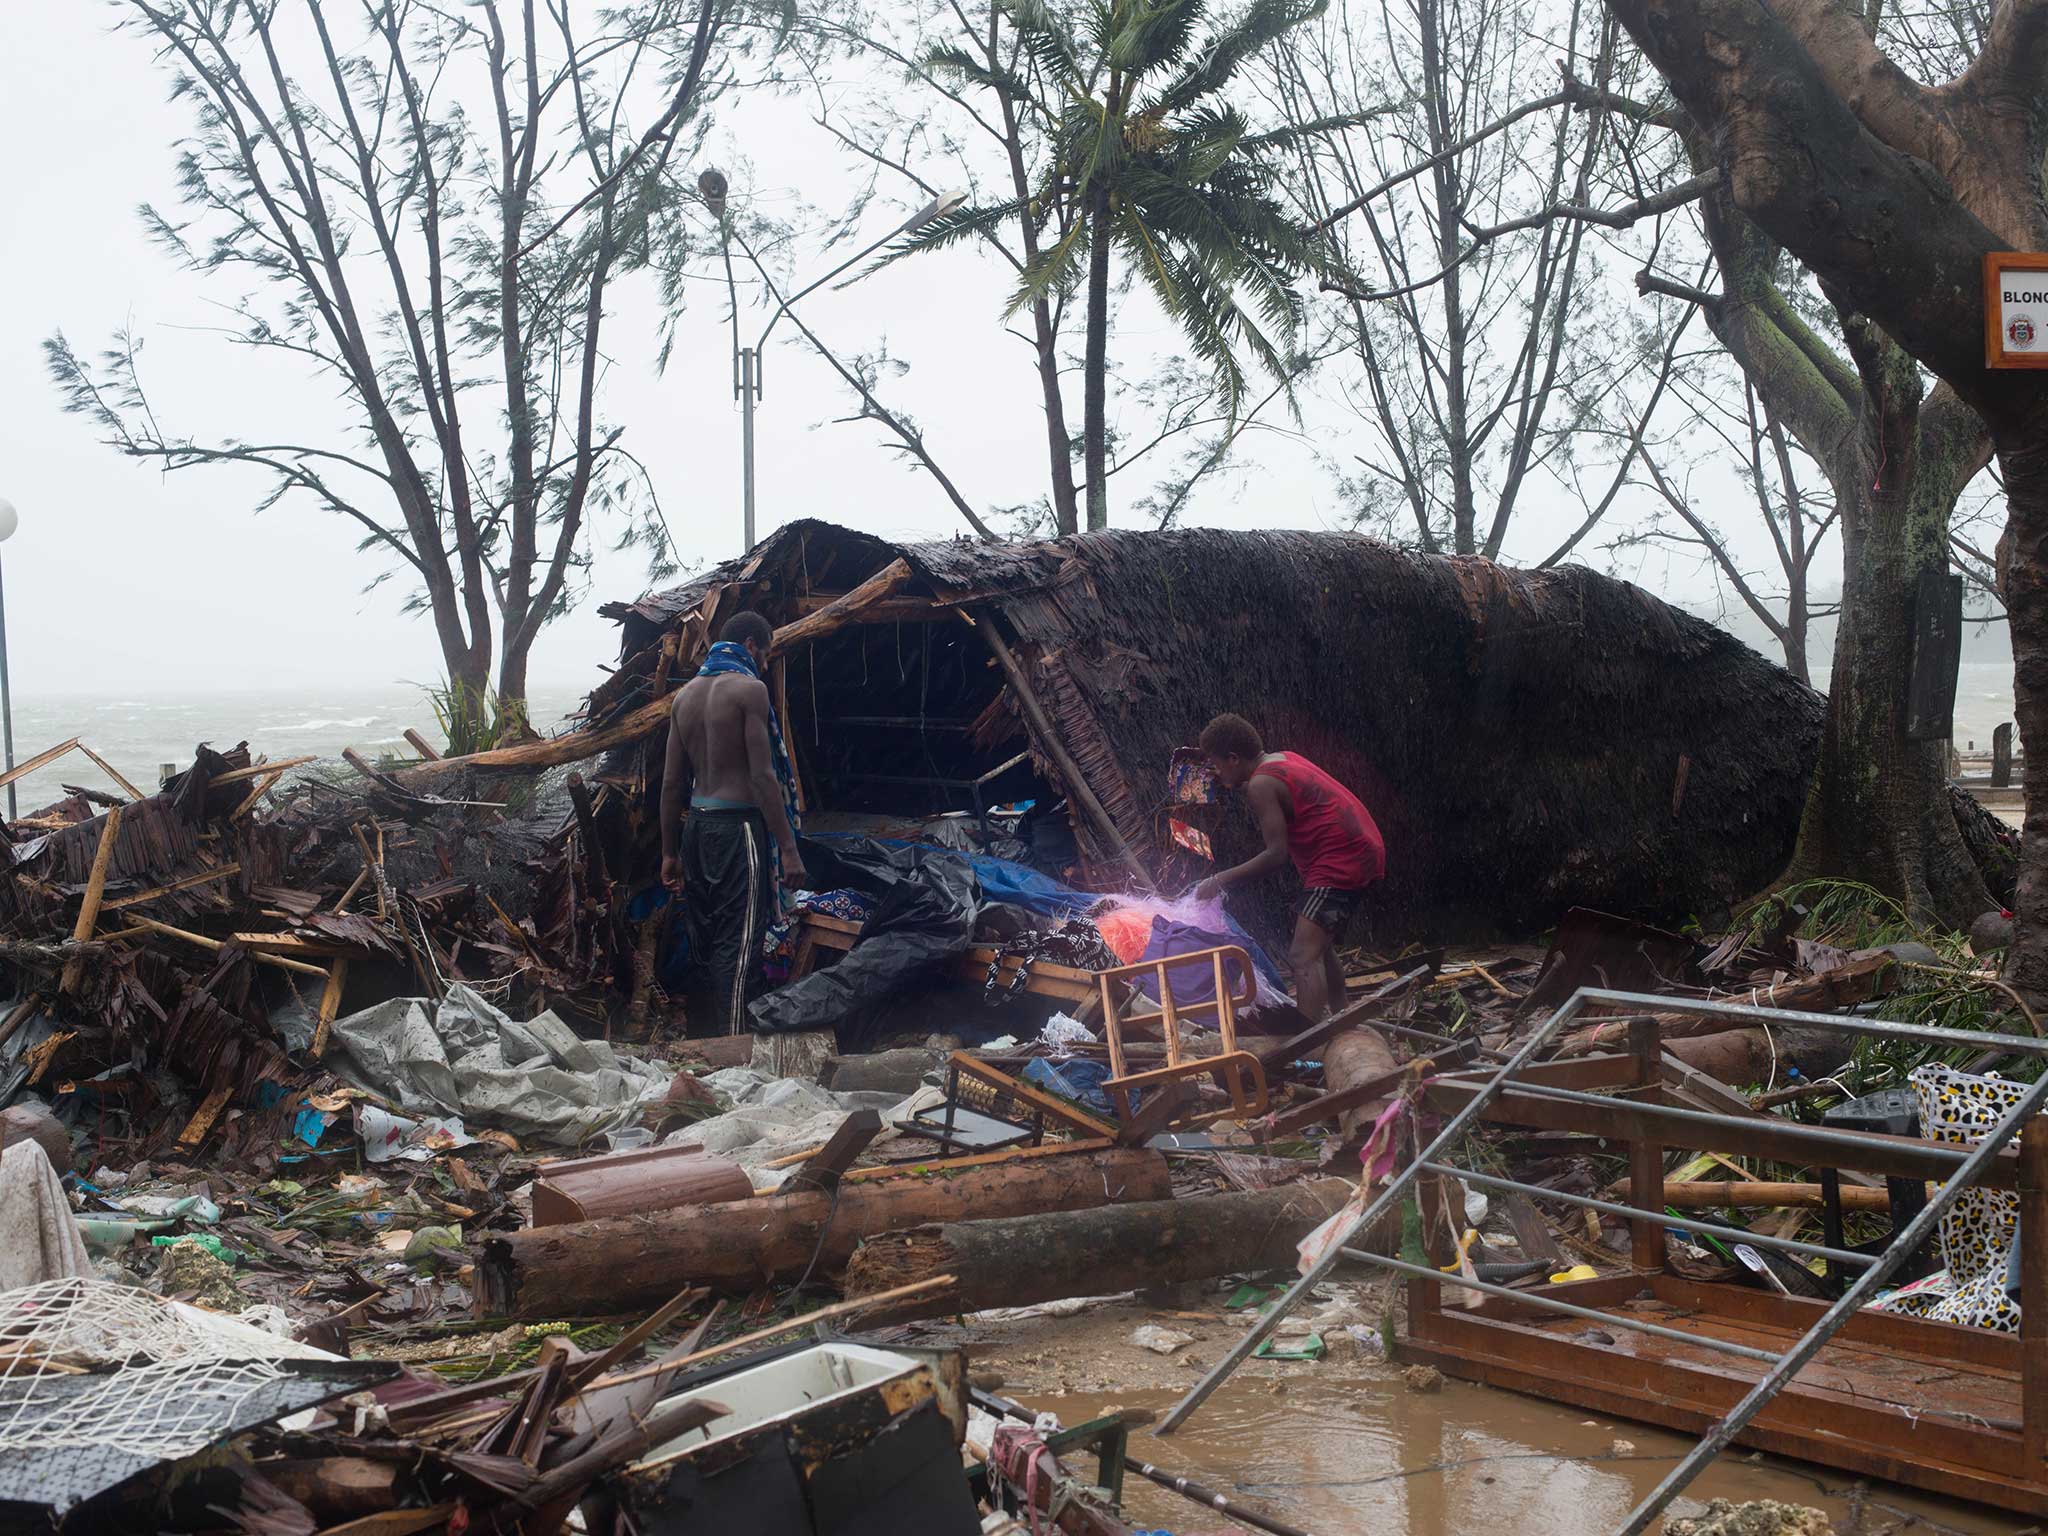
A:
x,y
1331,836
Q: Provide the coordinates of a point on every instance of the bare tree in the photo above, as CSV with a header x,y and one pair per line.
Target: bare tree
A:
x,y
1487,350
430,210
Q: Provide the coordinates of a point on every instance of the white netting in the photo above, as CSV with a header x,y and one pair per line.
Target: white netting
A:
x,y
167,1379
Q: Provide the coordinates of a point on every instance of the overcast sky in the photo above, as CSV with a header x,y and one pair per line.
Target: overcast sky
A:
x,y
125,580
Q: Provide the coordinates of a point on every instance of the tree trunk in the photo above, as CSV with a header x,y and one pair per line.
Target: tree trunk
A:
x,y
1059,442
1358,1056
2025,464
1090,1253
1879,808
1450,232
617,1264
512,677
1095,383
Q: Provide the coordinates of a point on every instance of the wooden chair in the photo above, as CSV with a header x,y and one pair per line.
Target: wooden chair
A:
x,y
1236,1071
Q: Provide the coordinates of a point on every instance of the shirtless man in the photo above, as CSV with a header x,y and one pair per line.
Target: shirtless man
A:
x,y
721,756
1306,815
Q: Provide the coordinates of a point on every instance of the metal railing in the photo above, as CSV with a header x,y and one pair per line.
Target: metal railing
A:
x,y
1959,1167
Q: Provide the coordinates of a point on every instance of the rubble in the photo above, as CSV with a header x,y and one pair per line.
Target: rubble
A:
x,y
1760,1518
399,1061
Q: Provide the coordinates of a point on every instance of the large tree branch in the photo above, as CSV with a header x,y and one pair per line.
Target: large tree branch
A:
x,y
1803,166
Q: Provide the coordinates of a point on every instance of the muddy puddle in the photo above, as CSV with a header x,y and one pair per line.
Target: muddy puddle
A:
x,y
1366,1455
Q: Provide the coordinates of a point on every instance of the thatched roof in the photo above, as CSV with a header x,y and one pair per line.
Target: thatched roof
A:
x,y
1528,740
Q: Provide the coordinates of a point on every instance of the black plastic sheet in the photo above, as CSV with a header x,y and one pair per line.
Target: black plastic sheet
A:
x,y
926,902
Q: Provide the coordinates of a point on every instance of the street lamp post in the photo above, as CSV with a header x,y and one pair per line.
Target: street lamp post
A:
x,y
746,361
9,521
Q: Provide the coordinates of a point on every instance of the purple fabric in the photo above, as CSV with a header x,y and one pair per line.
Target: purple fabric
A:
x,y
1190,983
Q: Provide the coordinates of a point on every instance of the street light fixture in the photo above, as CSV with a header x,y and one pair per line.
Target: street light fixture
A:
x,y
746,362
9,521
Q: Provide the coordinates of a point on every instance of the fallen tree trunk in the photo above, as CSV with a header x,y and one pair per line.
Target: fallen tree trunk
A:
x,y
622,1263
1089,1253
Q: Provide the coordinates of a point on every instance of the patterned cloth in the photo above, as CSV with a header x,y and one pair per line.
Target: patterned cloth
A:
x,y
1077,943
731,656
1978,1232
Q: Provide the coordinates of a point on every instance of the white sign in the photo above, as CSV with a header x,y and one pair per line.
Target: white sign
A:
x,y
2016,310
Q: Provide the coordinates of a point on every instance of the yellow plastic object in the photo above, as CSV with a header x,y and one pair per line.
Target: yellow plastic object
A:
x,y
1576,1272
1464,1246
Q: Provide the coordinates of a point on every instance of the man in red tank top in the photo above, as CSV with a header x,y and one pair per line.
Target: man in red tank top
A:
x,y
1325,829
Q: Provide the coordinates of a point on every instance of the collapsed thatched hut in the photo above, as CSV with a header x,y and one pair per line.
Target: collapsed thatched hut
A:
x,y
1528,740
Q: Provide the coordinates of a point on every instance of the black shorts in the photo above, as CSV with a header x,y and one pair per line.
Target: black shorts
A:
x,y
1329,908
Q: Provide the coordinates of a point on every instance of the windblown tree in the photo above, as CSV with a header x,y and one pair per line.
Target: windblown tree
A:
x,y
429,208
1891,191
1489,357
1143,161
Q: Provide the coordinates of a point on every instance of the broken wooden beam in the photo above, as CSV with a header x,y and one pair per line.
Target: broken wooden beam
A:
x,y
1090,1252
203,942
112,772
190,882
1759,1194
1049,741
824,1167
419,745
40,760
89,908
330,1004
204,1116
622,1262
842,611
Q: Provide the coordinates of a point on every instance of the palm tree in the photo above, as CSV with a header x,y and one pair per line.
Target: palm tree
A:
x,y
1142,158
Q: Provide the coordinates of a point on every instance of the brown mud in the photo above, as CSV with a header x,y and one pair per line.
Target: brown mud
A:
x,y
1345,1447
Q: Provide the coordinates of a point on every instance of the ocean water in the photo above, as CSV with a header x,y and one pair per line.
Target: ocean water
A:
x,y
138,734
1983,701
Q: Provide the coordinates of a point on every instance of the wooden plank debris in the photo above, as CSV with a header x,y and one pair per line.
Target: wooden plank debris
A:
x,y
89,908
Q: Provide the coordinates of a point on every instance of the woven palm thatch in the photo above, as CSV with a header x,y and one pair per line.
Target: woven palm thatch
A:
x,y
1527,740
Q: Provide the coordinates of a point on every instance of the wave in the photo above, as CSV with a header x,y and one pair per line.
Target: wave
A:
x,y
326,725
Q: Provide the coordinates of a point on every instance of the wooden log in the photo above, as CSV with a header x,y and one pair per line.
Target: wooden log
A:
x,y
89,908
623,1262
337,1488
419,745
1351,1059
1091,1252
1733,1056
1757,1194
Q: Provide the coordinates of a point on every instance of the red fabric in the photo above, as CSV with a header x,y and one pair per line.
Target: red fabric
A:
x,y
1330,834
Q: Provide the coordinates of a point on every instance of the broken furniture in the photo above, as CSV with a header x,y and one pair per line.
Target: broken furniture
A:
x,y
993,1094
1237,1072
1959,1411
